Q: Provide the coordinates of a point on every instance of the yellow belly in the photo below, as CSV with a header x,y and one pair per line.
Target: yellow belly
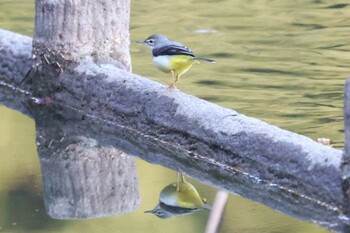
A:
x,y
178,64
181,63
186,197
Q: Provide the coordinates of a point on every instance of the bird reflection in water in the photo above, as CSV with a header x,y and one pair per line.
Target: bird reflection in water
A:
x,y
178,199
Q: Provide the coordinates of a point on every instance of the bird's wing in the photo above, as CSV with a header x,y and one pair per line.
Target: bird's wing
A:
x,y
172,49
177,209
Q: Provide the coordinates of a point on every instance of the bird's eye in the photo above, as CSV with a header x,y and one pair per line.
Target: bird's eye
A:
x,y
150,41
159,213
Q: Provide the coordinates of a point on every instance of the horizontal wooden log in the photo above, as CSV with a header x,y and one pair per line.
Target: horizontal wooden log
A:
x,y
215,145
15,56
15,63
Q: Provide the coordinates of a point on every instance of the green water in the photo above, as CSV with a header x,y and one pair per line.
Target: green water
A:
x,y
284,62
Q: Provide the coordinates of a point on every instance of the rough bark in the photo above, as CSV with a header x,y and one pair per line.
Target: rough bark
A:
x,y
217,146
67,31
74,29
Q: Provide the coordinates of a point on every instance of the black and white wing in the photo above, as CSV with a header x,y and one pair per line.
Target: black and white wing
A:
x,y
172,49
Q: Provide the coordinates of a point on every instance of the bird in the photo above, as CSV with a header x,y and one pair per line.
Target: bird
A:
x,y
171,56
178,198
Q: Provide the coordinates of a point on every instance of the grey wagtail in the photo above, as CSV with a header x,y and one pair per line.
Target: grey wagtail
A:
x,y
171,56
179,199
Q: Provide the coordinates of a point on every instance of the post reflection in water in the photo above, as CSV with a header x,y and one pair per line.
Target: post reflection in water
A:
x,y
179,198
83,177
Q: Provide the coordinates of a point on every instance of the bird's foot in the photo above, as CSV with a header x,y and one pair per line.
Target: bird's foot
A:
x,y
172,87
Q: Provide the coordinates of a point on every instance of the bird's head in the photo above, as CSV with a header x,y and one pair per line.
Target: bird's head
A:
x,y
160,212
153,40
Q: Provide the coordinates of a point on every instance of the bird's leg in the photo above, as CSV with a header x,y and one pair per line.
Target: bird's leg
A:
x,y
180,179
175,79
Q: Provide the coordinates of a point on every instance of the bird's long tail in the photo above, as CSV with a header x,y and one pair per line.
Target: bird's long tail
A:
x,y
204,59
206,207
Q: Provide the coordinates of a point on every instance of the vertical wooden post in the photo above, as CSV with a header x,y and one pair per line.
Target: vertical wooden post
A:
x,y
82,178
68,32
75,29
346,153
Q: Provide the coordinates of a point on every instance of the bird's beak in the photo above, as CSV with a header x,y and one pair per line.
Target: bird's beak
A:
x,y
140,41
149,211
